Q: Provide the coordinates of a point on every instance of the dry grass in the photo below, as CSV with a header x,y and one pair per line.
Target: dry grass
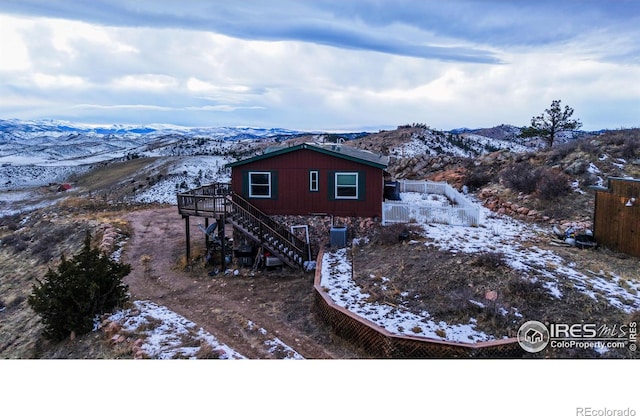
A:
x,y
30,246
28,249
113,174
419,278
206,352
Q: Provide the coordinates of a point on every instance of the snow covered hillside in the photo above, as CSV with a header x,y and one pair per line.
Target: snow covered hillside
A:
x,y
38,153
434,143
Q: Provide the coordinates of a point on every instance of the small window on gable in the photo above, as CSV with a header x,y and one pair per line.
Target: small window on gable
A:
x,y
260,184
346,185
314,185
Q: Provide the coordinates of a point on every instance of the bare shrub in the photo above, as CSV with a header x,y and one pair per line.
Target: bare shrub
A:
x,y
558,208
590,147
616,137
521,177
46,244
206,352
390,234
19,243
563,150
9,240
551,184
12,222
532,293
477,178
490,260
631,148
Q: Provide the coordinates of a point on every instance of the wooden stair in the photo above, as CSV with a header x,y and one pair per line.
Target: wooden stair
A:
x,y
263,230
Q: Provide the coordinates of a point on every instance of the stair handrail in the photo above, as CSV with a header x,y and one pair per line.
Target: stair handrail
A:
x,y
262,220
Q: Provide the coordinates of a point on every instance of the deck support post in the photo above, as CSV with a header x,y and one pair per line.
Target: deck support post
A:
x,y
206,236
221,221
188,237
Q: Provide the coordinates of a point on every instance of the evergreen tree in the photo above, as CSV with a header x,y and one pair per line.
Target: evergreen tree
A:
x,y
82,288
553,121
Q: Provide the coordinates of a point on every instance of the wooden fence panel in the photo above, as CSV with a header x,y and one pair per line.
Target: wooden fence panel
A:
x,y
629,237
616,225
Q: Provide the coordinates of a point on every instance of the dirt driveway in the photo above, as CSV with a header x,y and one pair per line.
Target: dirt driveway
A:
x,y
230,307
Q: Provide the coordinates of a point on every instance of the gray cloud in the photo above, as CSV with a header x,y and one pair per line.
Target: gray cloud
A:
x,y
364,25
330,63
275,21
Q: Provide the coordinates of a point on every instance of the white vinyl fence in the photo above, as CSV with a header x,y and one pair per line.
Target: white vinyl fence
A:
x,y
460,212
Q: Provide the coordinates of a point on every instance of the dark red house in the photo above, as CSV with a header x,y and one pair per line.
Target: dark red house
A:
x,y
309,179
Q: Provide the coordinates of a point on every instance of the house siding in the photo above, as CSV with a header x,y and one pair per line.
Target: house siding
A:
x,y
292,195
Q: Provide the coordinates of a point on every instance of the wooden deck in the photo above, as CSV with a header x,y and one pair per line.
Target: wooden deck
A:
x,y
207,201
218,202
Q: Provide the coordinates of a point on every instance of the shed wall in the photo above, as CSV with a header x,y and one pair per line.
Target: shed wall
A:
x,y
616,225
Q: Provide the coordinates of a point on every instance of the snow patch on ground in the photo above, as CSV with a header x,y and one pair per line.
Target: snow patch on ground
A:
x,y
499,234
434,143
336,279
24,177
164,338
416,198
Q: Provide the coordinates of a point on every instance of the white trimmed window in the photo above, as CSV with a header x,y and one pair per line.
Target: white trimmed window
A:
x,y
346,185
260,184
314,181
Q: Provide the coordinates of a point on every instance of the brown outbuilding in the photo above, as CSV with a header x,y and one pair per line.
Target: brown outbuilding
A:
x,y
617,215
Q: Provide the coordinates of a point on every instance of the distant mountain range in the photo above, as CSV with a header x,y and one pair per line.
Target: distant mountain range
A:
x,y
60,143
20,129
15,129
51,142
38,153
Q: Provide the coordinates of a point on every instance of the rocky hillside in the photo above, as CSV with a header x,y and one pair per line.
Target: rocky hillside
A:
x,y
510,175
506,173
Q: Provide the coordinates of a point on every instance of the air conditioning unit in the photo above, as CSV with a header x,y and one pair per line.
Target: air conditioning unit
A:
x,y
338,237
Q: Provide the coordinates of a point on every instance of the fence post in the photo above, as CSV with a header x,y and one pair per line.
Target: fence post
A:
x,y
384,214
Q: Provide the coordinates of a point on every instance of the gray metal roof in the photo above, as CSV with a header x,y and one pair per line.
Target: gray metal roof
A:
x,y
338,150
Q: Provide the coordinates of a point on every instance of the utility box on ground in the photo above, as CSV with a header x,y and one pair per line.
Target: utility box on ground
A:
x,y
338,237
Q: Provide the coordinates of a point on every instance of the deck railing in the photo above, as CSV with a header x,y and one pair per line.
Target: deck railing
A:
x,y
209,199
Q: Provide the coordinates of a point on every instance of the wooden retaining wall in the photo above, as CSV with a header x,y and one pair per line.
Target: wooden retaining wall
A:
x,y
381,343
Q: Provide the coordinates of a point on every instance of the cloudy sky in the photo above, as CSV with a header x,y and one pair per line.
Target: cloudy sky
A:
x,y
320,65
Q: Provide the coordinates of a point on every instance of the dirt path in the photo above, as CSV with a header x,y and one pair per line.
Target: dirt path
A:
x,y
229,307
